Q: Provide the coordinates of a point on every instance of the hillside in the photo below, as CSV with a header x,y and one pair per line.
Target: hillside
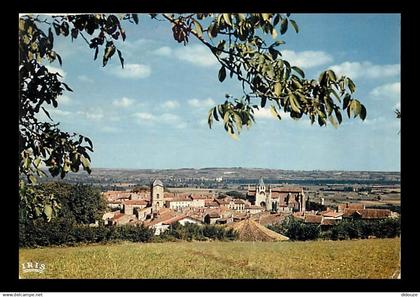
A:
x,y
371,258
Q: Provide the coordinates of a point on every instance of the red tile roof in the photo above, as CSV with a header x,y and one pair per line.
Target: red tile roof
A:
x,y
135,202
370,213
314,219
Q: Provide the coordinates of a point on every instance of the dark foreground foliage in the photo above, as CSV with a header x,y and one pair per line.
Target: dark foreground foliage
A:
x,y
345,229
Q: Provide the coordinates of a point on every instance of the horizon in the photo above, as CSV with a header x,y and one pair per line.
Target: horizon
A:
x,y
246,168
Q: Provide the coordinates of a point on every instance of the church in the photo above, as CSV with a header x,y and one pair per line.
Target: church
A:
x,y
277,199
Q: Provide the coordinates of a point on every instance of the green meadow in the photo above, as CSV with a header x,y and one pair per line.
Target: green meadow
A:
x,y
367,258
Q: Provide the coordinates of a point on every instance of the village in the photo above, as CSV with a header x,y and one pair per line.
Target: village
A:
x,y
158,208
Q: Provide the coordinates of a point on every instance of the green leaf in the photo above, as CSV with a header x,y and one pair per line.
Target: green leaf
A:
x,y
121,58
294,103
295,26
263,101
265,16
283,26
355,107
332,75
277,89
333,121
67,87
276,19
85,162
298,70
338,115
226,17
59,59
346,101
363,112
46,112
32,179
135,18
96,53
274,112
222,74
210,120
351,85
48,212
50,37
215,114
198,28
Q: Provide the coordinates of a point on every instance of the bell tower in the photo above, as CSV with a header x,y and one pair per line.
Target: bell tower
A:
x,y
157,194
260,194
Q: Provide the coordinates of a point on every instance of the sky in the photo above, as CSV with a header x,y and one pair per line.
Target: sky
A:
x,y
153,113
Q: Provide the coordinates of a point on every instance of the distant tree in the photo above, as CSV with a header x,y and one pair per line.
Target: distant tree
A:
x,y
296,230
82,204
236,194
237,42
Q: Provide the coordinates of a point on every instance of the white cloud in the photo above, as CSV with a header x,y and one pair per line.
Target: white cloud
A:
x,y
196,54
109,129
366,70
390,91
58,112
166,118
201,103
64,99
85,78
165,51
144,116
92,115
306,59
56,69
124,102
133,71
170,104
265,113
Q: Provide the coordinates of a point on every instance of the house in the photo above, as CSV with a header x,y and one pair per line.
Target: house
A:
x,y
179,203
343,206
367,214
331,215
161,224
130,206
313,219
211,217
237,205
253,209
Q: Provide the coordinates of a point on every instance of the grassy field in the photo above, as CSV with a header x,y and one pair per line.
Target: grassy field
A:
x,y
369,258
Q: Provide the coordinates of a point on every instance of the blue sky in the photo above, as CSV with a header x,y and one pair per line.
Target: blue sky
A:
x,y
153,113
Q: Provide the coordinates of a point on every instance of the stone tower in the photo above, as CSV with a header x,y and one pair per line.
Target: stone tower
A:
x,y
157,195
260,194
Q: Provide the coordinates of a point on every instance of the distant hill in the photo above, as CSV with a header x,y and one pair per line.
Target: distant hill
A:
x,y
236,175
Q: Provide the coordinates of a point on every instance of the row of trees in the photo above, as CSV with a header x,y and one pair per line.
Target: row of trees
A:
x,y
345,229
196,232
63,232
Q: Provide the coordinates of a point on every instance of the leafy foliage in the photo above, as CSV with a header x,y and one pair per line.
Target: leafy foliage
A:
x,y
81,204
296,230
237,42
196,232
64,232
345,229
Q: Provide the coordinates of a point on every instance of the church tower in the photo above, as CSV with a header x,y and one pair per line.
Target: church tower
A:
x,y
260,194
157,195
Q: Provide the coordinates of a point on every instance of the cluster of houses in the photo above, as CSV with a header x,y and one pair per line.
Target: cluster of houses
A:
x,y
158,209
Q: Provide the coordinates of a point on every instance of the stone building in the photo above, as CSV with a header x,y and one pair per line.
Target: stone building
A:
x,y
157,195
282,199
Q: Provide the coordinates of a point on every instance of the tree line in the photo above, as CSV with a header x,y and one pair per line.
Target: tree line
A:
x,y
346,229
